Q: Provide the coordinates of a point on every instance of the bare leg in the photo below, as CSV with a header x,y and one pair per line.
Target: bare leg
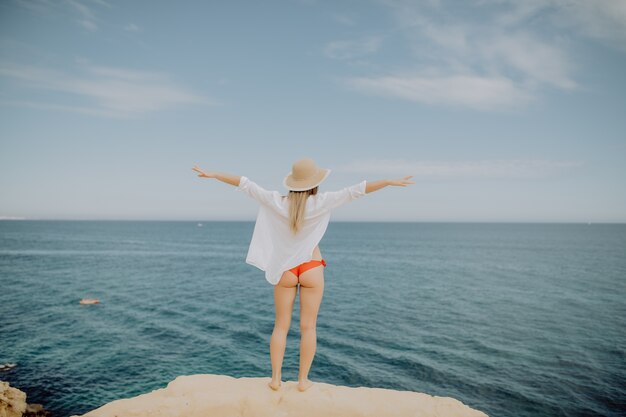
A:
x,y
284,298
311,292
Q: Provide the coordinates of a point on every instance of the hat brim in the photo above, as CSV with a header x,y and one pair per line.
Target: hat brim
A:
x,y
293,185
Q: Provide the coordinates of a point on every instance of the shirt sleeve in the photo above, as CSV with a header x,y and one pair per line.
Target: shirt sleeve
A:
x,y
333,199
255,191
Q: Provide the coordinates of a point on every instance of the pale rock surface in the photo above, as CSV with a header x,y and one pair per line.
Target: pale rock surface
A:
x,y
12,401
224,396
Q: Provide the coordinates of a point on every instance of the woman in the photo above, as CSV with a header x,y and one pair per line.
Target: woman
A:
x,y
284,244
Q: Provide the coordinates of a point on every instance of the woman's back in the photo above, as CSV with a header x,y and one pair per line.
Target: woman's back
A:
x,y
274,247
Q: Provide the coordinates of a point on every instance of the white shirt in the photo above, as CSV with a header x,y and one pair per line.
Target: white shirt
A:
x,y
274,248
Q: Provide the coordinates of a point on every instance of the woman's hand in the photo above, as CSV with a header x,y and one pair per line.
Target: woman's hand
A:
x,y
227,178
203,174
371,186
403,182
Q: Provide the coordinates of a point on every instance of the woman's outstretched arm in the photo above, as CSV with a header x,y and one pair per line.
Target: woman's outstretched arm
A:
x,y
227,178
243,184
372,186
334,199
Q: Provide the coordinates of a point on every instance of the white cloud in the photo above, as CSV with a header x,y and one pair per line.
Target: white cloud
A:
x,y
346,49
90,25
600,19
37,6
603,19
92,111
83,11
131,27
113,92
533,59
87,17
454,170
502,52
81,8
101,3
482,93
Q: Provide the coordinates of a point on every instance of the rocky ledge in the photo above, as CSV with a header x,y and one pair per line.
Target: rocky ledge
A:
x,y
221,395
13,403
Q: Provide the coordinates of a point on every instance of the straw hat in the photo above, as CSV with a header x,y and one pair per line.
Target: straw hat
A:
x,y
305,175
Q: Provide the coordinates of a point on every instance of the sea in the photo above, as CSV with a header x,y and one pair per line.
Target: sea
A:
x,y
513,319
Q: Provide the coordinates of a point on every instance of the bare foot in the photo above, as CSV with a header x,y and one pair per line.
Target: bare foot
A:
x,y
274,384
304,385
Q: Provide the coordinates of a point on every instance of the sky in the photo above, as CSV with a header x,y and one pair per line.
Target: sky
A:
x,y
501,110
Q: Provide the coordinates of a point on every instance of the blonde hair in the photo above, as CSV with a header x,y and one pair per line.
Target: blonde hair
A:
x,y
297,205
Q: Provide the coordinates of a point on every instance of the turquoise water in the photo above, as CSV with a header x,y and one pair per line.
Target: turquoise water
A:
x,y
512,319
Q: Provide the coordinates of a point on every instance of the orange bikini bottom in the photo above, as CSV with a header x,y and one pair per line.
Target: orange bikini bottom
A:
x,y
306,266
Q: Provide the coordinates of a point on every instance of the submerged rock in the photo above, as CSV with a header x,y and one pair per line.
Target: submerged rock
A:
x,y
7,366
36,410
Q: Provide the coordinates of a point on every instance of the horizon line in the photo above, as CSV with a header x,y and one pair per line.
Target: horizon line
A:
x,y
7,219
